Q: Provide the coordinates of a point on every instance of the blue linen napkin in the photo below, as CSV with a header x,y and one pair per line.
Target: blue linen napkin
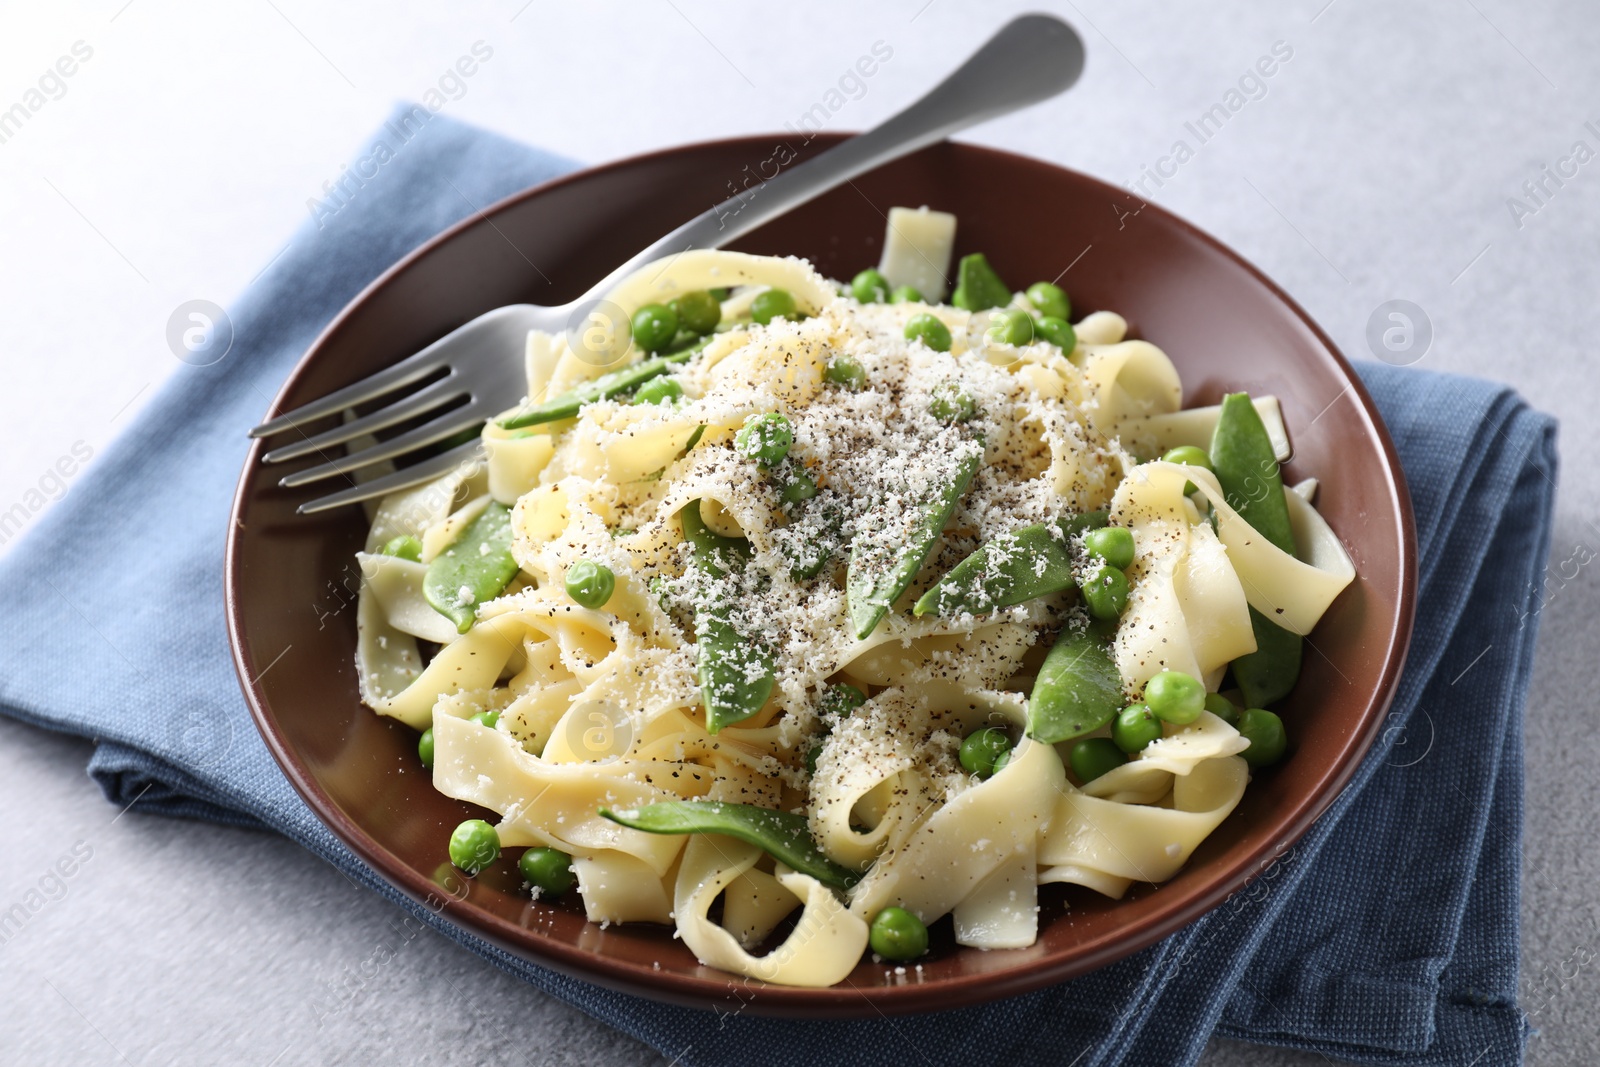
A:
x,y
1387,935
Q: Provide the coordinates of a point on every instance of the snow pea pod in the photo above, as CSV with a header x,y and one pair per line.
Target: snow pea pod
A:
x,y
616,383
736,673
1014,567
475,568
1077,691
1247,469
978,286
879,572
783,835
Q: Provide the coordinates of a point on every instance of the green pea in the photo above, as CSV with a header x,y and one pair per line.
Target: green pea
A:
x,y
487,718
425,748
800,487
846,371
898,935
720,293
765,438
661,390
1114,544
1175,697
981,748
698,311
870,287
951,403
1011,327
773,304
906,294
1049,299
930,330
1222,708
590,584
1135,727
474,845
1093,757
654,327
1189,455
841,700
1105,591
1264,731
549,870
1000,761
404,547
1058,332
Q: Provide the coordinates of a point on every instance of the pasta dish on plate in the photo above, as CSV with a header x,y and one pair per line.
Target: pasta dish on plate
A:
x,y
829,611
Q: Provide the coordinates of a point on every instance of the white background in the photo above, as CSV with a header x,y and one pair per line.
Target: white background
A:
x,y
179,159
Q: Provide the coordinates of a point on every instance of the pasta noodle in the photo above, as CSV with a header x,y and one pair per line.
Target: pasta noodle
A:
x,y
564,710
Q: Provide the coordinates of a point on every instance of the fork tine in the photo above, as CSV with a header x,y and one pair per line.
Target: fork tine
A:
x,y
438,429
416,366
416,474
433,396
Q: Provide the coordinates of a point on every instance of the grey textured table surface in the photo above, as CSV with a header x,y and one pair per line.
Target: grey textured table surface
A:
x,y
1385,158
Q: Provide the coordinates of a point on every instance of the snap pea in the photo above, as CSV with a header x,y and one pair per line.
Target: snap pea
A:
x,y
880,572
713,553
736,673
978,286
1077,690
808,558
1027,563
625,380
473,569
783,835
1247,469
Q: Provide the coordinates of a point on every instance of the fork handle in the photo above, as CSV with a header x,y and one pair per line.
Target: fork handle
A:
x,y
1030,59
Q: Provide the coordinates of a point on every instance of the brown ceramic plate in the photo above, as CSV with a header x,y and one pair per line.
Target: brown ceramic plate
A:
x,y
291,579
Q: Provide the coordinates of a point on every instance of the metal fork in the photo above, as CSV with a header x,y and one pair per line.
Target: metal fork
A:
x,y
1030,59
